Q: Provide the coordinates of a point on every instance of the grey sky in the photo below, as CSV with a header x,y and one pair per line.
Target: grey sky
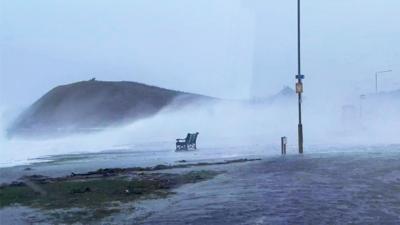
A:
x,y
224,48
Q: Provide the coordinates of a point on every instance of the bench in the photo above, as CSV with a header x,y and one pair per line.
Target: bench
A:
x,y
189,143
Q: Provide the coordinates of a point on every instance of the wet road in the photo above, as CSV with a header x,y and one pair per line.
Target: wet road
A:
x,y
339,188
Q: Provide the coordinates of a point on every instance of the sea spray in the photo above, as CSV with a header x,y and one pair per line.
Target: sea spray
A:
x,y
233,126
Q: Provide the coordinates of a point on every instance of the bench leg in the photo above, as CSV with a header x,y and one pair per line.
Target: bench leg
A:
x,y
185,147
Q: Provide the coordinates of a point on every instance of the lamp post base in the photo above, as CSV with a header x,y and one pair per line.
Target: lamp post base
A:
x,y
300,138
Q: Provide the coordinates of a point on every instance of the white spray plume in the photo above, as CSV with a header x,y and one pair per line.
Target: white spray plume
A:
x,y
224,125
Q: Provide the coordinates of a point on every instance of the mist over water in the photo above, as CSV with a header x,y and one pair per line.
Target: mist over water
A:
x,y
235,126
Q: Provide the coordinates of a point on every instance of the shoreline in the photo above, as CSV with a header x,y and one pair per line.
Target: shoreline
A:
x,y
63,165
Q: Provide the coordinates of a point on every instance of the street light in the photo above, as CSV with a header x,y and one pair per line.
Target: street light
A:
x,y
376,78
299,77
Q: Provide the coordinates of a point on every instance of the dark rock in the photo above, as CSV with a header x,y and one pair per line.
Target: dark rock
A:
x,y
161,167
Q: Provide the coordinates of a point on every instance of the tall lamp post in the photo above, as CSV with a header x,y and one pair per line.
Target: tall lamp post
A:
x,y
376,78
299,77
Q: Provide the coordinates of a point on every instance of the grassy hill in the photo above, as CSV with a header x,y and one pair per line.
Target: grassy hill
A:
x,y
97,104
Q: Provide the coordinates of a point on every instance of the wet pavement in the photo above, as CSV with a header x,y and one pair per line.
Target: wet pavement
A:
x,y
349,188
353,186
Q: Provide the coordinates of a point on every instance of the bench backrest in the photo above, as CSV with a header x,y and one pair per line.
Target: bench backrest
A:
x,y
187,139
192,138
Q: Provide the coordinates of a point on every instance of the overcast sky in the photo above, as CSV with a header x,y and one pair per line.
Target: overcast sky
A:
x,y
223,48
